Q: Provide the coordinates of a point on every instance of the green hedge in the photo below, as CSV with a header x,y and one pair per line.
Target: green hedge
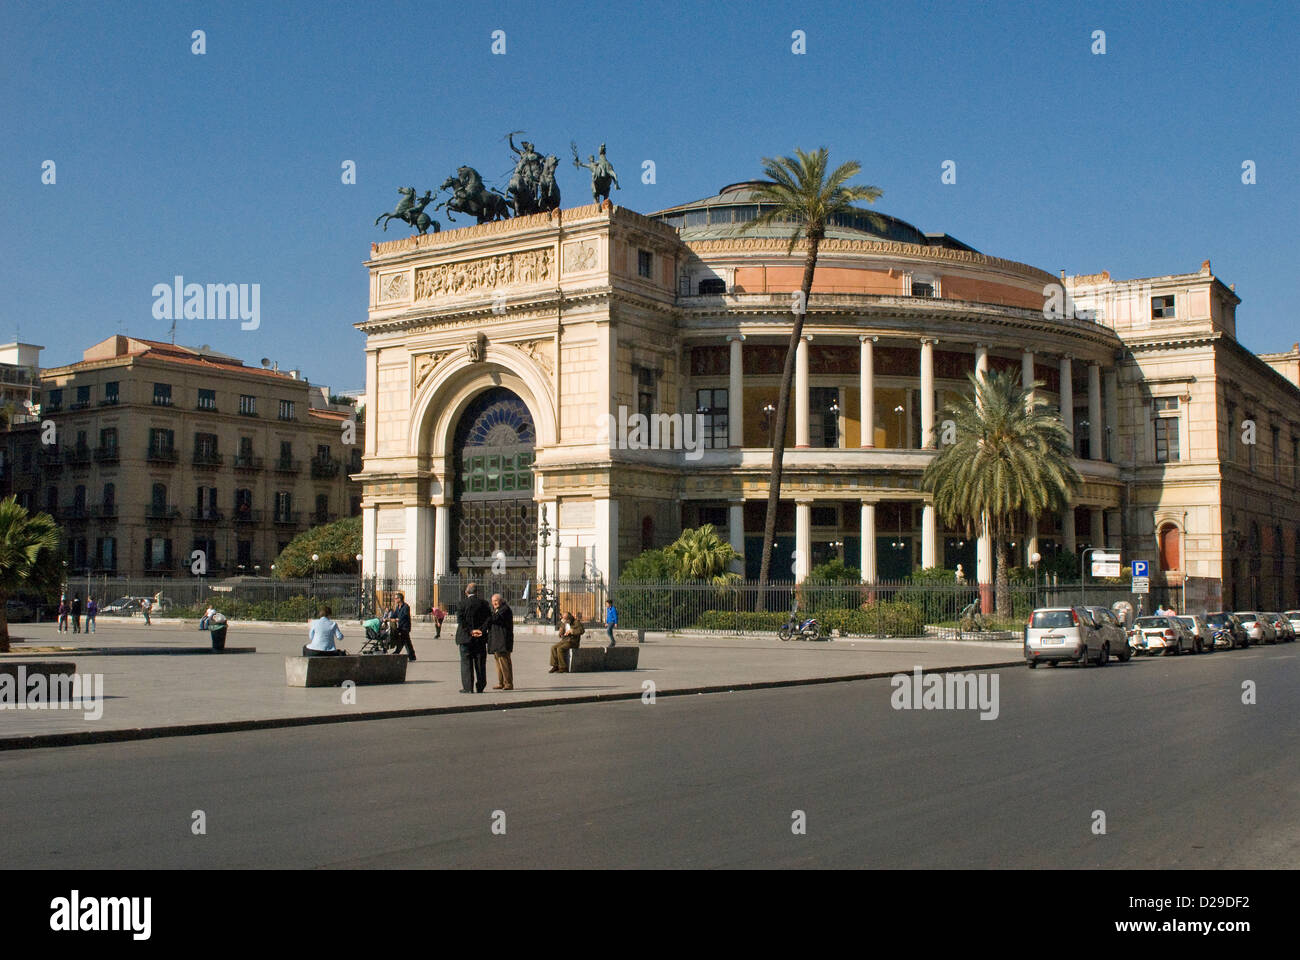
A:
x,y
744,620
893,618
295,609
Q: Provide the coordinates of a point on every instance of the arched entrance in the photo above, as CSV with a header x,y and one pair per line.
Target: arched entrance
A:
x,y
493,515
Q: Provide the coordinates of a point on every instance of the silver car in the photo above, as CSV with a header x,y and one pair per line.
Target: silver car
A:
x,y
1258,628
1163,635
1202,633
1054,634
1112,631
1281,624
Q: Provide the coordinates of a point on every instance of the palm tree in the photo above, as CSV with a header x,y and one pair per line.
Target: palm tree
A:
x,y
1011,458
27,554
801,193
701,554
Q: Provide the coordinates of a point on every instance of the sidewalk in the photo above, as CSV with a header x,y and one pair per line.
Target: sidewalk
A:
x,y
168,695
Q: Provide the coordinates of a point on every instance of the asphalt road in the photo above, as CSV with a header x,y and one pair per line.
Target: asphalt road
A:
x,y
1185,773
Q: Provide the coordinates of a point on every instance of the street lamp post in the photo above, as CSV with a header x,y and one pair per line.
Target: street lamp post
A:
x,y
361,589
314,558
1034,560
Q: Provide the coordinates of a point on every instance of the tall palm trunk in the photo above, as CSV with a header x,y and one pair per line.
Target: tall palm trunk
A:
x,y
4,624
1000,571
782,410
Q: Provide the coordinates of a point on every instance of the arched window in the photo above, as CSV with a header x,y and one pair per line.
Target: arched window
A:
x,y
1170,552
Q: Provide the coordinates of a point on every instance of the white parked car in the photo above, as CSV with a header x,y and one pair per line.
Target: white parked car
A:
x,y
1163,635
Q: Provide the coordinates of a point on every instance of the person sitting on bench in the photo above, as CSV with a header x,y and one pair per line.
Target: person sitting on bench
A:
x,y
323,634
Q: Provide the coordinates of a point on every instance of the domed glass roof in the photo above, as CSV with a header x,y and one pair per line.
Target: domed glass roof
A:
x,y
726,214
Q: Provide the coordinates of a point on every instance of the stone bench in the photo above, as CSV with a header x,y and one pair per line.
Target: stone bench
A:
x,y
627,636
594,658
333,671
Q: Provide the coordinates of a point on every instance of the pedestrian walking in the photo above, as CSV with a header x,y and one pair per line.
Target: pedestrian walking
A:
x,y
92,610
401,617
63,614
471,626
145,606
76,614
439,615
501,641
611,620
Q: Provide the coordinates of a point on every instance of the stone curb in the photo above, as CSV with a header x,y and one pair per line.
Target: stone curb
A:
x,y
81,738
130,652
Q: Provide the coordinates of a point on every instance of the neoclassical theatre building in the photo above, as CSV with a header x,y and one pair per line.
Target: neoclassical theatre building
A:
x,y
500,355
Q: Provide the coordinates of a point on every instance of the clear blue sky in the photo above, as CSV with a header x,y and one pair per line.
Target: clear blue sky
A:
x,y
226,167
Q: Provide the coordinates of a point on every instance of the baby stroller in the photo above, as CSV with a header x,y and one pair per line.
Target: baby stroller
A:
x,y
379,636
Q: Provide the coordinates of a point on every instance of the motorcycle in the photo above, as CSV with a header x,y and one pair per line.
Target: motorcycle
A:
x,y
795,629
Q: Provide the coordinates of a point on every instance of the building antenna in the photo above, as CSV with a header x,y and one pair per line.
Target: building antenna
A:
x,y
173,333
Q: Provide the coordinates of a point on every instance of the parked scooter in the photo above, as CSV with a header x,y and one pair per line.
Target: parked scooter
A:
x,y
796,629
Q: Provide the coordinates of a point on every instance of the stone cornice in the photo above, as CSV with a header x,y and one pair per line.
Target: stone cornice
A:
x,y
868,247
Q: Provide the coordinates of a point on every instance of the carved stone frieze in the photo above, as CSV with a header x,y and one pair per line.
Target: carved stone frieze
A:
x,y
487,273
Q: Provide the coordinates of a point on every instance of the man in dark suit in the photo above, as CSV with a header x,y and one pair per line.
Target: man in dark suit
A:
x,y
471,636
401,617
501,641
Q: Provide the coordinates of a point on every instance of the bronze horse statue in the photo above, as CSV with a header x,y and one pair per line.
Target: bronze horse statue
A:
x,y
411,211
470,196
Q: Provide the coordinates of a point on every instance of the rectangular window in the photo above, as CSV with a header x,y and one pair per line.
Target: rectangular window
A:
x,y
110,393
108,440
922,288
711,406
644,263
161,441
83,398
247,405
245,449
205,446
1162,308
1166,439
286,409
207,399
323,452
823,416
645,391
286,450
162,394
283,504
1232,432
55,401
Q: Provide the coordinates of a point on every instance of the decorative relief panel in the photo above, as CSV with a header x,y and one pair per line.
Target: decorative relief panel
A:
x,y
394,286
581,256
488,273
541,352
425,365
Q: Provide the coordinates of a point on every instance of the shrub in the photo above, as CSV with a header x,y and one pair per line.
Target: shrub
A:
x,y
740,620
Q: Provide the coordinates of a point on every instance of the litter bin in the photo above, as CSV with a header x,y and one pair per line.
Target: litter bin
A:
x,y
218,631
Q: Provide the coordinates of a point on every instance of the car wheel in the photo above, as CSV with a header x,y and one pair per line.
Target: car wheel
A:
x,y
1033,664
1200,646
1051,663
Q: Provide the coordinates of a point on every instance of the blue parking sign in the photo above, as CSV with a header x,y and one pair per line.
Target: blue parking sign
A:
x,y
1139,568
